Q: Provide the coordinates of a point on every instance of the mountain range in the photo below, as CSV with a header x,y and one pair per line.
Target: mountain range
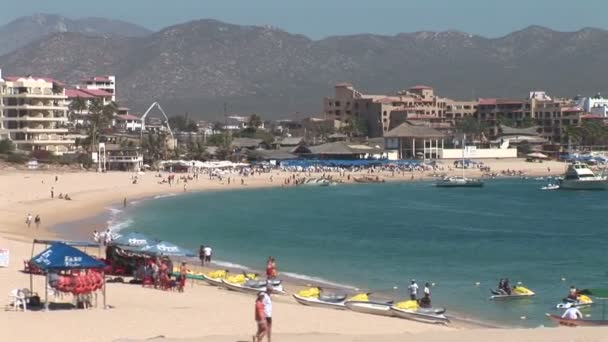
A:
x,y
198,66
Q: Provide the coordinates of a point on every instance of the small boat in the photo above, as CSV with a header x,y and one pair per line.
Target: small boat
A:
x,y
582,301
550,187
576,322
373,308
278,289
579,176
459,182
424,315
518,292
212,281
316,182
214,277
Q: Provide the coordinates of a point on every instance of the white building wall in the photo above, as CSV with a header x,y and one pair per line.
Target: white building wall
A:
x,y
479,153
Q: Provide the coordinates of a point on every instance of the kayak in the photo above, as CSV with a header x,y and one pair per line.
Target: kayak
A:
x,y
518,292
373,308
424,315
582,301
248,289
330,302
576,322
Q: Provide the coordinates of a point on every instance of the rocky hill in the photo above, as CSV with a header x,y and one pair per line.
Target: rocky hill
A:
x,y
197,66
25,30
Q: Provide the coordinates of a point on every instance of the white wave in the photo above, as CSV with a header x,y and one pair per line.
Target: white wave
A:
x,y
114,211
117,226
164,195
229,265
317,280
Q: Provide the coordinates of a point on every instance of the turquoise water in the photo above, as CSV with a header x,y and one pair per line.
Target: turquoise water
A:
x,y
381,235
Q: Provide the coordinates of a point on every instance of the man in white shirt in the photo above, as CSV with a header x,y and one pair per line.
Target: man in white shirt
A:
x,y
413,290
108,236
572,313
208,252
268,310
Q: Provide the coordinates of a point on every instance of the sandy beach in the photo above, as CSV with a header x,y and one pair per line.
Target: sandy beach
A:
x,y
202,313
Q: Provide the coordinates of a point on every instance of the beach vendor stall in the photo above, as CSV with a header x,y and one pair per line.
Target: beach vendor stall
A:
x,y
70,270
122,256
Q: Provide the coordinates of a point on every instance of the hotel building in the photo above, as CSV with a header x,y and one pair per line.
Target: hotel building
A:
x,y
34,113
105,83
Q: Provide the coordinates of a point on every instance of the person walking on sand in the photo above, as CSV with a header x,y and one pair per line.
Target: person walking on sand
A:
x,y
260,318
268,310
37,221
52,192
28,220
124,202
201,255
182,277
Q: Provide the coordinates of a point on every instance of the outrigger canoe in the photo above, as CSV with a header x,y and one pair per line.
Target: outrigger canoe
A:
x,y
576,322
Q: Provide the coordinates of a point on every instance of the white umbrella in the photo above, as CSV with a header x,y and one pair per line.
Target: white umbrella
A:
x,y
537,155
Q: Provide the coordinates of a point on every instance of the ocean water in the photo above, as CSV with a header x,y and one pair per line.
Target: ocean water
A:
x,y
378,236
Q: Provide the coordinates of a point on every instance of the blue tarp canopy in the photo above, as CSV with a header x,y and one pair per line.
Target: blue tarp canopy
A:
x,y
133,239
60,256
305,163
69,243
163,248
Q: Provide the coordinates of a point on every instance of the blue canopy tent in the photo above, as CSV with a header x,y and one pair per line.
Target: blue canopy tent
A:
x,y
133,239
164,248
60,256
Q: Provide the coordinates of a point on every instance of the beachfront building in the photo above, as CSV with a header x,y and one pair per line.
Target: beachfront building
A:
x,y
80,116
415,140
34,114
118,158
127,123
596,105
105,83
381,113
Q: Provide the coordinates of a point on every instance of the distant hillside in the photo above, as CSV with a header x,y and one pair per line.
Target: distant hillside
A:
x,y
25,30
197,66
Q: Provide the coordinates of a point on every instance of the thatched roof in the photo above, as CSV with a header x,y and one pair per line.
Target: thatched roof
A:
x,y
410,130
341,147
506,130
246,142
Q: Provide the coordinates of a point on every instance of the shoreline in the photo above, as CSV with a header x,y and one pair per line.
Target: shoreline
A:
x,y
143,315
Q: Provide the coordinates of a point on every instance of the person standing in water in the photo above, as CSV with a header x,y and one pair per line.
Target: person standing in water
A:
x,y
413,290
201,255
271,268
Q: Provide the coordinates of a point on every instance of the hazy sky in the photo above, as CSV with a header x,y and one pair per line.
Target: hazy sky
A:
x,y
321,18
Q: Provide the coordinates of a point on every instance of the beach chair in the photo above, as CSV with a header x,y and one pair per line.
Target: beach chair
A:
x,y
16,299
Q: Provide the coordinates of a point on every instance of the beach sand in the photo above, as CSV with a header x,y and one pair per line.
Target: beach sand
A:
x,y
202,313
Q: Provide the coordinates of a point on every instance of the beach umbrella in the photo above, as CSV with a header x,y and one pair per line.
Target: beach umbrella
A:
x,y
133,239
165,248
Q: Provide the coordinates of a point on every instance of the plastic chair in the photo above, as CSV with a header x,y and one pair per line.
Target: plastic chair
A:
x,y
17,299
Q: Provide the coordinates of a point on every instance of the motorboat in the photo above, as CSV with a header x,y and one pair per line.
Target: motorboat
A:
x,y
410,309
581,301
315,297
576,322
372,308
244,288
316,182
579,176
550,186
459,182
518,292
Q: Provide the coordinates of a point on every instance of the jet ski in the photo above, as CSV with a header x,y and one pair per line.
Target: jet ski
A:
x,y
567,303
244,287
517,292
215,277
410,309
550,187
314,297
373,308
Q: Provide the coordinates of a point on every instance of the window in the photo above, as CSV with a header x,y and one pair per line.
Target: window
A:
x,y
337,103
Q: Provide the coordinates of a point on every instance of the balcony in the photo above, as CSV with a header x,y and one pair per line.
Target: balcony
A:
x,y
45,141
36,107
38,130
36,118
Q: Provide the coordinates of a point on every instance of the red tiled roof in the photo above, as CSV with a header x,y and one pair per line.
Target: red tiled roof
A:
x,y
74,93
16,78
572,109
127,117
499,101
96,92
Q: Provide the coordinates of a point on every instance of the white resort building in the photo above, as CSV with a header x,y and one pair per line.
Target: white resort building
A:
x,y
34,114
105,83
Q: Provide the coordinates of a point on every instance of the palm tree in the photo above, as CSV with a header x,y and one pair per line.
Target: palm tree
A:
x,y
100,119
77,106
